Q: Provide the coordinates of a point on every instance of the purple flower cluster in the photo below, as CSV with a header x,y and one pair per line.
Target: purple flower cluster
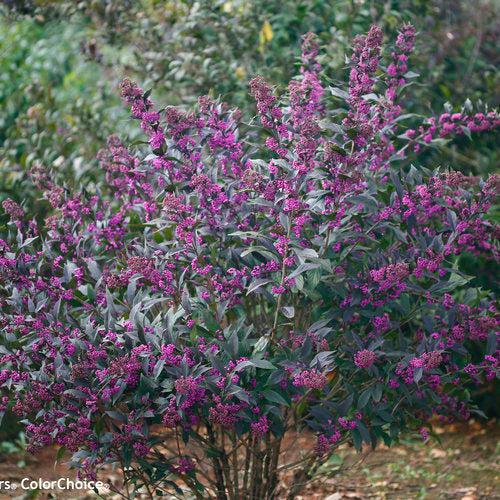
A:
x,y
364,358
311,379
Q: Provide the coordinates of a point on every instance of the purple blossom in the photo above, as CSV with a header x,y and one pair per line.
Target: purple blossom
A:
x,y
364,358
311,379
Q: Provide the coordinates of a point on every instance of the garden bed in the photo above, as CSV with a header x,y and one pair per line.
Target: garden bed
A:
x,y
465,466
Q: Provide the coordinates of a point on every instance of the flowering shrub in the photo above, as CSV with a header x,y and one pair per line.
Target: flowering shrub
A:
x,y
239,284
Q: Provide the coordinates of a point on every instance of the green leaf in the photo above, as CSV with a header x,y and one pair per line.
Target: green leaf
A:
x,y
377,393
60,453
364,398
307,266
274,397
263,363
357,440
256,284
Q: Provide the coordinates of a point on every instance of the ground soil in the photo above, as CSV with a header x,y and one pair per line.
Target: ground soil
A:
x,y
465,466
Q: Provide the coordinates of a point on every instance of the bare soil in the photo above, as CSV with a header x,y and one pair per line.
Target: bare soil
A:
x,y
465,465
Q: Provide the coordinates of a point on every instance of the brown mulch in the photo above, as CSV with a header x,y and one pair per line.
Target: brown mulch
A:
x,y
464,466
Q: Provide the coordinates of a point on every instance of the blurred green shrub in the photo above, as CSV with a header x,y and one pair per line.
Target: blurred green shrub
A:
x,y
56,105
